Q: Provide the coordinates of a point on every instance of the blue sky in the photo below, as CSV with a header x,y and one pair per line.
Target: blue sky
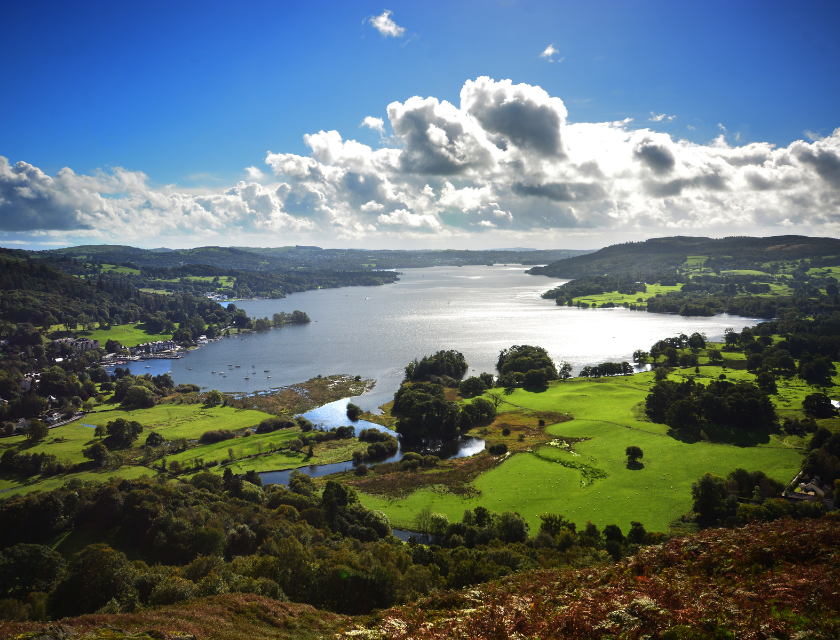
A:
x,y
158,109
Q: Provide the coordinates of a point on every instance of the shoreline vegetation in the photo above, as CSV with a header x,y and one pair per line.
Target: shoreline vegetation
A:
x,y
613,484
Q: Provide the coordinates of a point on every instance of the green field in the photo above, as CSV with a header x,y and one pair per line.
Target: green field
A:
x,y
12,488
607,412
695,262
112,268
182,420
128,335
620,298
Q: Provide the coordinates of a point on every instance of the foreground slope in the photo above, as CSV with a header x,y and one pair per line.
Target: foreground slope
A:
x,y
774,580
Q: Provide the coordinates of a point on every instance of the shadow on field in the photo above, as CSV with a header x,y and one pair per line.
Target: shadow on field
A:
x,y
635,465
724,435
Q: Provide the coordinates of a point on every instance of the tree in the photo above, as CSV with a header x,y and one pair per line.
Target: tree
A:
x,y
123,432
511,527
301,483
552,524
443,363
472,386
634,454
96,575
36,431
353,411
637,534
730,337
565,371
766,382
139,396
818,405
714,355
536,379
154,439
754,362
97,452
524,358
214,398
99,431
25,568
710,496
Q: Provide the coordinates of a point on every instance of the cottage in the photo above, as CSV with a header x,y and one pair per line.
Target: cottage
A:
x,y
807,488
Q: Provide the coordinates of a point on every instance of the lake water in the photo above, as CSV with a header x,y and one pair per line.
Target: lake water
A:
x,y
334,414
375,331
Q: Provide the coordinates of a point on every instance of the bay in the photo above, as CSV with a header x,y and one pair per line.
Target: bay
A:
x,y
375,331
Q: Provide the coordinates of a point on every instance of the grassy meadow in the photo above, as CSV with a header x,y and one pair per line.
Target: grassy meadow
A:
x,y
590,479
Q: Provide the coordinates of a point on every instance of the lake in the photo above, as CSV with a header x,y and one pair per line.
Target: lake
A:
x,y
375,331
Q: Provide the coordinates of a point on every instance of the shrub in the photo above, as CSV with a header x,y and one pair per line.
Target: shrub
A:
x,y
273,424
210,437
498,449
353,411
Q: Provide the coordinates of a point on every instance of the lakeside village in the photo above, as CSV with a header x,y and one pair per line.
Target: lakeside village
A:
x,y
77,347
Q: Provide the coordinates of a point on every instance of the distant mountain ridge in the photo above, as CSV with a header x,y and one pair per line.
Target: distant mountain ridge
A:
x,y
663,254
285,258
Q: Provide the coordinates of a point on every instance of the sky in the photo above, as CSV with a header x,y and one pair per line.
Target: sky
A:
x,y
417,125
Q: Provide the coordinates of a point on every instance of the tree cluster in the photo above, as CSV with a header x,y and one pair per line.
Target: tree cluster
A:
x,y
685,406
443,363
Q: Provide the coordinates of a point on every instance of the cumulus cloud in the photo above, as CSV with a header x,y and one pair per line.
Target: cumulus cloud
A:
x,y
549,52
504,161
121,204
386,26
377,124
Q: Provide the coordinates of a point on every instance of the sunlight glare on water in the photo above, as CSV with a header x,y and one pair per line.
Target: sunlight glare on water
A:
x,y
375,331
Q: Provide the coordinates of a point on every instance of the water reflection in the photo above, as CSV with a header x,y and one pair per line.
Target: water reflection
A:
x,y
334,414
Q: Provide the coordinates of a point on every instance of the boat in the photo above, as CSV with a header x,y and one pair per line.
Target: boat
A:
x,y
269,377
239,365
148,367
247,378
214,371
266,370
189,368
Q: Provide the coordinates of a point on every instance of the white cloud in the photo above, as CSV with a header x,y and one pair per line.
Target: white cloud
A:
x,y
377,124
405,218
721,127
813,136
549,52
504,160
690,127
373,205
660,117
386,26
254,173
